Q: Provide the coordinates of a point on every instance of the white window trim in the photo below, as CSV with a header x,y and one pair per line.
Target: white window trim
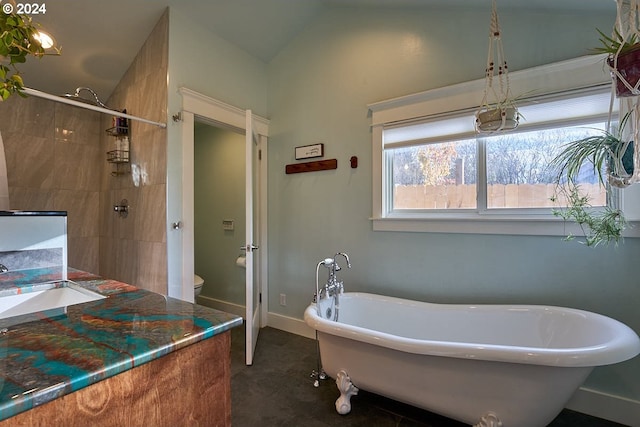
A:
x,y
558,77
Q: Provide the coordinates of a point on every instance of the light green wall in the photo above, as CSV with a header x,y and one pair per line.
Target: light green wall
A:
x,y
201,61
219,183
318,89
208,64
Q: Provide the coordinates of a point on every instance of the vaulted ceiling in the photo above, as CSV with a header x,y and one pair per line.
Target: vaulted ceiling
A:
x,y
100,38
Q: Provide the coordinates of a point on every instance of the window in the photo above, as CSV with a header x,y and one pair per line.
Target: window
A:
x,y
505,171
433,172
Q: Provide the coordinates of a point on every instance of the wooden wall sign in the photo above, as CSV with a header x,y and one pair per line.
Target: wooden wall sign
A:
x,y
319,165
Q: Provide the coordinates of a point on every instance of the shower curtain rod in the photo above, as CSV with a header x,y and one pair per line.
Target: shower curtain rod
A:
x,y
56,98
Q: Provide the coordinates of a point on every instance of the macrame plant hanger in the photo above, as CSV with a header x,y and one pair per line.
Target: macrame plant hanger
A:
x,y
627,87
497,111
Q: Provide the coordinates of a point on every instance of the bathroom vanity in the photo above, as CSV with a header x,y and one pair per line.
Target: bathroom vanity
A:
x,y
133,358
126,357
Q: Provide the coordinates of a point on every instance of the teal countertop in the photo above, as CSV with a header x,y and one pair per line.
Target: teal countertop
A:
x,y
53,353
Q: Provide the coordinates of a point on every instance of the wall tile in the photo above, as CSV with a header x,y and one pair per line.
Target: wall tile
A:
x,y
152,266
149,155
83,253
150,103
73,124
76,165
34,199
29,116
151,215
140,240
127,261
82,211
30,160
107,257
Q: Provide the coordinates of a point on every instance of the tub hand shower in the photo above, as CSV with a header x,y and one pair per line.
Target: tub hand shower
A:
x,y
332,289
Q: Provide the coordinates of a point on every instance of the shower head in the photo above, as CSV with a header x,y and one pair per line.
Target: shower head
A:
x,y
95,101
75,97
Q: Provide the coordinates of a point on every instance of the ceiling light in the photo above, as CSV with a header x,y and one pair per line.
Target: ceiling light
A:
x,y
46,41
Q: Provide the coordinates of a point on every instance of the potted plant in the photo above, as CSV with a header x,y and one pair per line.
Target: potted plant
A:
x,y
608,152
498,111
623,59
501,116
19,38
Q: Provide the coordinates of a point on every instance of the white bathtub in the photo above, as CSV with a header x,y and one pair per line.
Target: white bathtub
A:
x,y
479,364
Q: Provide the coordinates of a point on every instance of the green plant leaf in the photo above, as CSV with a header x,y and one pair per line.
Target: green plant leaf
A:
x,y
615,44
17,79
17,43
598,226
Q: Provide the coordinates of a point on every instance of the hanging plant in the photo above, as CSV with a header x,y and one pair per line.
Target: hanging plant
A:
x,y
611,157
19,39
615,157
498,111
623,48
623,58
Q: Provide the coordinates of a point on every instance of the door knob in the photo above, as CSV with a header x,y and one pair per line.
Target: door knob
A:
x,y
249,248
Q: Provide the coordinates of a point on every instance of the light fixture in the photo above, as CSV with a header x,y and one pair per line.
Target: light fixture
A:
x,y
45,39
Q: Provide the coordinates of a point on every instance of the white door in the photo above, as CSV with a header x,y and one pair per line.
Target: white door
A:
x,y
253,298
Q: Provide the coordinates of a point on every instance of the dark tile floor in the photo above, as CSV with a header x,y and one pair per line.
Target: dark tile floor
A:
x,y
277,391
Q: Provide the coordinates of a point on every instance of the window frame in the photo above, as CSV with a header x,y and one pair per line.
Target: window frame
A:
x,y
567,76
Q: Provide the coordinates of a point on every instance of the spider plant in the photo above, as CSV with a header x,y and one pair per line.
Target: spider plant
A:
x,y
605,152
598,226
615,44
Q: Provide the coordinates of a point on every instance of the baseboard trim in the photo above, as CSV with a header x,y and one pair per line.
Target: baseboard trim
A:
x,y
606,406
237,309
290,324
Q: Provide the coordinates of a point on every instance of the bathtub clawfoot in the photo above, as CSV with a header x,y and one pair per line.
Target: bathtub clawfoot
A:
x,y
347,389
489,420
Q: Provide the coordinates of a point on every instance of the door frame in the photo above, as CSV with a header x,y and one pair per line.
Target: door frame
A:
x,y
218,113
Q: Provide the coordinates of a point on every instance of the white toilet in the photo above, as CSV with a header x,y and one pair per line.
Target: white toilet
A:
x,y
197,286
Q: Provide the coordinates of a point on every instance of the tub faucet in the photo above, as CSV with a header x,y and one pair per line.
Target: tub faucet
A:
x,y
335,263
334,287
3,269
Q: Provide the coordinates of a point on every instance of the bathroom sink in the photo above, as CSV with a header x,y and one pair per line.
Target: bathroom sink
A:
x,y
31,302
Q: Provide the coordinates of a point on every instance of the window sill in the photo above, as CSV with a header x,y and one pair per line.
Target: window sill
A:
x,y
534,225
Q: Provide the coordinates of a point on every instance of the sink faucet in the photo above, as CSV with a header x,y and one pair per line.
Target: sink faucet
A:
x,y
3,269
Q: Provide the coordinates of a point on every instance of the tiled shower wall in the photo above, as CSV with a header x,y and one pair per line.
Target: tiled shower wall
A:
x,y
54,163
56,160
134,249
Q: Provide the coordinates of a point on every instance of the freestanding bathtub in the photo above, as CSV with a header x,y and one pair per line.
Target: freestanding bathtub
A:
x,y
485,365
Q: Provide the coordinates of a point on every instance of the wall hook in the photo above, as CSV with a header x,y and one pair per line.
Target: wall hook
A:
x,y
177,117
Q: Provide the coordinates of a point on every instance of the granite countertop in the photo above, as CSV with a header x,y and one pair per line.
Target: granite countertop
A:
x,y
53,353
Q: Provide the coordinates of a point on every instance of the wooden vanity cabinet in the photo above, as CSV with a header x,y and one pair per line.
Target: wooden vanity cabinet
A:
x,y
188,387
